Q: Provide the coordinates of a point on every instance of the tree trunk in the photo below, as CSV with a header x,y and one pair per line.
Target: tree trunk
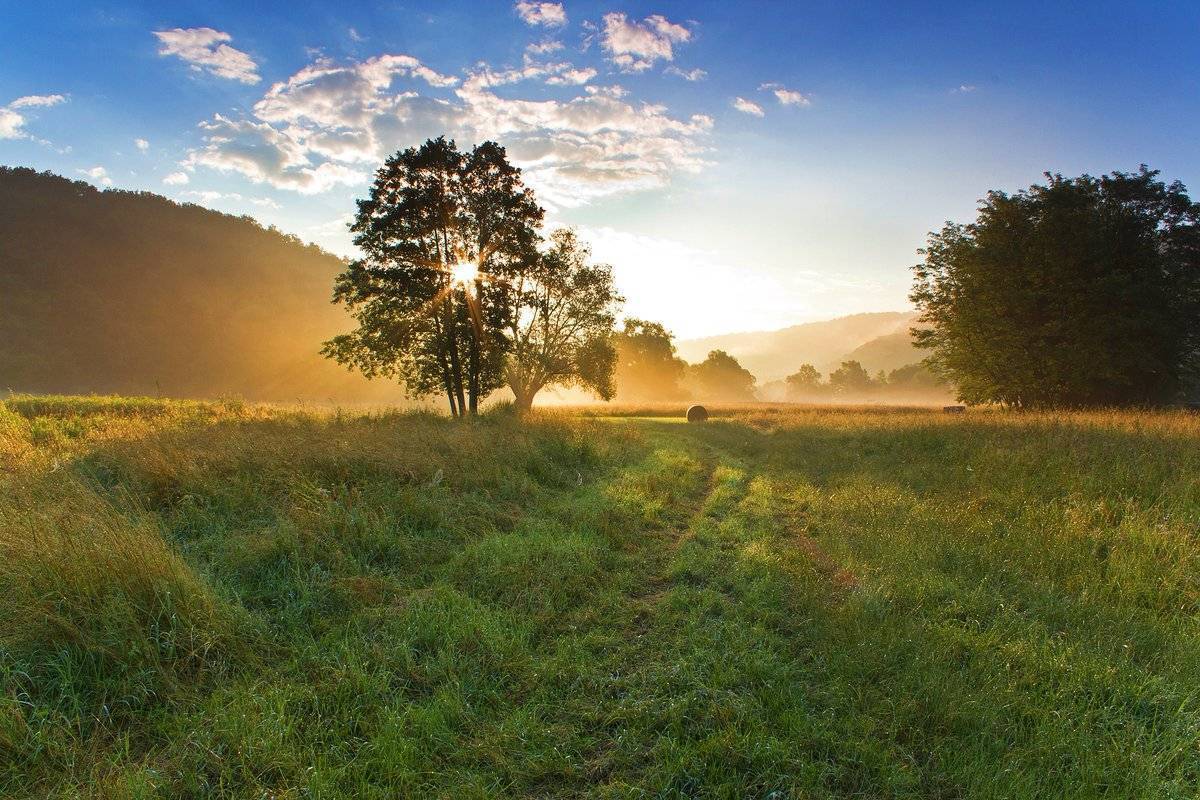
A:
x,y
523,394
449,389
474,369
456,376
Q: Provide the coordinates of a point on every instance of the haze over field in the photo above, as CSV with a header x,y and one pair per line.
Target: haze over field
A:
x,y
109,291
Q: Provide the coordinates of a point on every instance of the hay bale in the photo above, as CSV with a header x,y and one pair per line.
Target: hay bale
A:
x,y
954,409
697,414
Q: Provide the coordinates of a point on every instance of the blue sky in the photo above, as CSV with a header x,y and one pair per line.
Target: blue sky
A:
x,y
742,165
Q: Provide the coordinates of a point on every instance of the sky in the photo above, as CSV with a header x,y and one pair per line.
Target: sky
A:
x,y
742,165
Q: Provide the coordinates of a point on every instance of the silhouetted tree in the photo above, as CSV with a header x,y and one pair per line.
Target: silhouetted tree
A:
x,y
721,377
1080,292
914,376
561,332
647,367
804,383
851,378
442,234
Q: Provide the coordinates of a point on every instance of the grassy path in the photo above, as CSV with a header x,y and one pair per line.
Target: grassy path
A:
x,y
206,602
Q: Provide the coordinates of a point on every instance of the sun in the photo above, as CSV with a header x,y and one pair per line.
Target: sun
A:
x,y
464,273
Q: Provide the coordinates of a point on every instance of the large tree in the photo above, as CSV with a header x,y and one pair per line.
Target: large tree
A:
x,y
562,330
648,369
438,221
1080,292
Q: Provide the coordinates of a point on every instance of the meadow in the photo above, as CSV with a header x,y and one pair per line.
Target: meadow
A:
x,y
231,600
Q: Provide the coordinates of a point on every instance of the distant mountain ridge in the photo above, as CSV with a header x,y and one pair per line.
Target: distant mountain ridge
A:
x,y
880,340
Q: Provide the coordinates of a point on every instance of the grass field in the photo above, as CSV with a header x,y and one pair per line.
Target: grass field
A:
x,y
218,600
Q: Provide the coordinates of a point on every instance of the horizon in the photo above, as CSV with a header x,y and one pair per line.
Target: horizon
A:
x,y
743,172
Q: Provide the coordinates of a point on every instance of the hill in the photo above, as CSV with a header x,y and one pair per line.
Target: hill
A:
x,y
116,291
888,352
771,355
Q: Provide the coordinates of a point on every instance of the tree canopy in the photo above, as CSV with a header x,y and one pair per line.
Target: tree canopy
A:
x,y
647,370
443,233
721,377
561,330
1080,292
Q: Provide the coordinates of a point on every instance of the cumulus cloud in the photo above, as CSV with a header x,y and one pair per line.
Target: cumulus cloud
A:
x,y
207,50
38,100
11,124
329,123
176,179
785,96
267,155
544,47
965,88
141,144
635,46
211,197
551,15
687,74
98,174
12,120
748,106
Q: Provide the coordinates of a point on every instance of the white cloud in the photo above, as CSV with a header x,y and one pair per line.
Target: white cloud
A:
x,y
534,13
964,89
98,174
205,49
571,77
748,107
38,100
785,96
11,124
267,155
329,124
176,179
635,46
210,197
141,144
544,47
355,36
12,121
687,74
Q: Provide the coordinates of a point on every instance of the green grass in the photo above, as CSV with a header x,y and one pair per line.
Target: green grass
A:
x,y
220,600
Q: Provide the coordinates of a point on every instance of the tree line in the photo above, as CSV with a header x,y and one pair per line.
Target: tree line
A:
x,y
1080,292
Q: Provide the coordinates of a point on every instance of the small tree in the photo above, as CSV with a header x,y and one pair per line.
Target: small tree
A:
x,y
804,382
647,367
914,376
562,330
436,222
721,377
1080,292
850,378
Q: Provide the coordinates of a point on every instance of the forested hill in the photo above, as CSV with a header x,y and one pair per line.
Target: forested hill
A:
x,y
115,291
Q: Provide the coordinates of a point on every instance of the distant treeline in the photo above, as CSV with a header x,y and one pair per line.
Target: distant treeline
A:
x,y
649,370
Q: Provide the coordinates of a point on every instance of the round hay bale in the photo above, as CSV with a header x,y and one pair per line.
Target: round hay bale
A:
x,y
697,414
